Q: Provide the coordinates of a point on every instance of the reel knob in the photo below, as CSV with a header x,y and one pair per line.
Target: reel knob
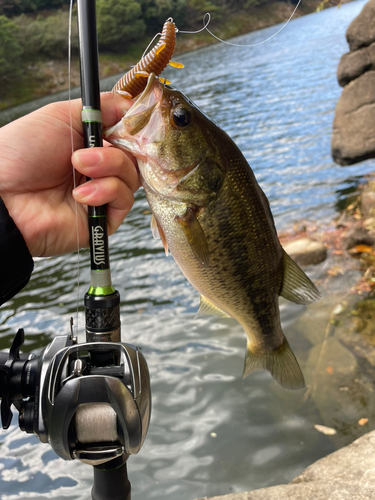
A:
x,y
6,374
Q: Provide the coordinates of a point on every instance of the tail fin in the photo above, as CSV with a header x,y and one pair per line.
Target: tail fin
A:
x,y
281,363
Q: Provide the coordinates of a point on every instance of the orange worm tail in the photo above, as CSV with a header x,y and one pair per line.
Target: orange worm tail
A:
x,y
134,81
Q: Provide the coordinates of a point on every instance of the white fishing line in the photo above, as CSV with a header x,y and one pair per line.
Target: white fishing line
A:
x,y
208,17
149,45
96,422
72,147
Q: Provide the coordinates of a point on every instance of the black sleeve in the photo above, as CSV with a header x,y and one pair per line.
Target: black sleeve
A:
x,y
16,261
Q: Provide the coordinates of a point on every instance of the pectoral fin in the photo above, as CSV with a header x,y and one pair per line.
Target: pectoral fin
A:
x,y
158,233
296,286
281,363
195,236
154,228
207,308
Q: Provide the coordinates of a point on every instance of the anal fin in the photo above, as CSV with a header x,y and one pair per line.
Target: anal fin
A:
x,y
207,308
281,363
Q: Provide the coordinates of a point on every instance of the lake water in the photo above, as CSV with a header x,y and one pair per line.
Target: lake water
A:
x,y
211,432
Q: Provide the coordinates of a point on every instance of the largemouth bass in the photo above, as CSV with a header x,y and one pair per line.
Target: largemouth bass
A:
x,y
216,221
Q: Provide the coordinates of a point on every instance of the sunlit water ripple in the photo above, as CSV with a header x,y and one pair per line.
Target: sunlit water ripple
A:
x,y
211,431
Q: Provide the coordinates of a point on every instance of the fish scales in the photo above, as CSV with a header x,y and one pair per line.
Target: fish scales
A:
x,y
234,226
216,221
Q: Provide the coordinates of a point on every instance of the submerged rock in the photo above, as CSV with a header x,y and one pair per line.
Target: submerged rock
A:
x,y
357,235
306,251
331,366
346,474
367,201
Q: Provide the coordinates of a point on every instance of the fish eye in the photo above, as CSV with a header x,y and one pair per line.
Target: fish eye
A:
x,y
181,116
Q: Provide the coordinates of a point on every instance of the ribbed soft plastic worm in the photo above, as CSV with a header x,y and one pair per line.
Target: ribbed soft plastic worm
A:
x,y
134,81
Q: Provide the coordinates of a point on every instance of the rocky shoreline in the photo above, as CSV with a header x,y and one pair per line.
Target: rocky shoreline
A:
x,y
346,474
340,367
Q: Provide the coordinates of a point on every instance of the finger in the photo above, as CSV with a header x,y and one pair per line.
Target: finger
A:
x,y
107,162
115,218
109,191
113,107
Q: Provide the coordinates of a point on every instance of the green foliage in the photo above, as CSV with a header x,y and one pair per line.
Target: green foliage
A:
x,y
16,7
253,3
156,12
9,66
196,10
39,29
202,5
46,36
119,22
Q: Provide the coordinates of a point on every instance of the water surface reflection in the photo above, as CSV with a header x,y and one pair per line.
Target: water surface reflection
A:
x,y
211,431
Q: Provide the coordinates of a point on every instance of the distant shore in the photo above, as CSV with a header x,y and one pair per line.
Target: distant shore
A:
x,y
46,77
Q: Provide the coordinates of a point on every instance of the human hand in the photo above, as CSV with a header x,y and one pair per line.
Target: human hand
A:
x,y
36,176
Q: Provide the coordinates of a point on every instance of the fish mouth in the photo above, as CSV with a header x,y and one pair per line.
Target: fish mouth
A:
x,y
150,82
141,119
143,123
140,113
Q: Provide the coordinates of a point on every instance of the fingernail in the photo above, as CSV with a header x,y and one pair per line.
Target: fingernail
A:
x,y
89,158
84,190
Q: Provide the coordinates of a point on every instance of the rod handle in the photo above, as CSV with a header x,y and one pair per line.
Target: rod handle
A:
x,y
111,480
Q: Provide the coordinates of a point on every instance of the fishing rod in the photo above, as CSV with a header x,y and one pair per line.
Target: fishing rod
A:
x,y
101,301
89,401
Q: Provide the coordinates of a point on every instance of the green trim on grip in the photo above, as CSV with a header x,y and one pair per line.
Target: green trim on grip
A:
x,y
101,283
101,290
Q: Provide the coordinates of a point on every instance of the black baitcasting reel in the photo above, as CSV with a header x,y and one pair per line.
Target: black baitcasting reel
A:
x,y
89,401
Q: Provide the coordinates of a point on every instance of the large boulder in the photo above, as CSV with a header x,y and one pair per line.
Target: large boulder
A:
x,y
346,474
306,251
361,31
354,64
353,136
